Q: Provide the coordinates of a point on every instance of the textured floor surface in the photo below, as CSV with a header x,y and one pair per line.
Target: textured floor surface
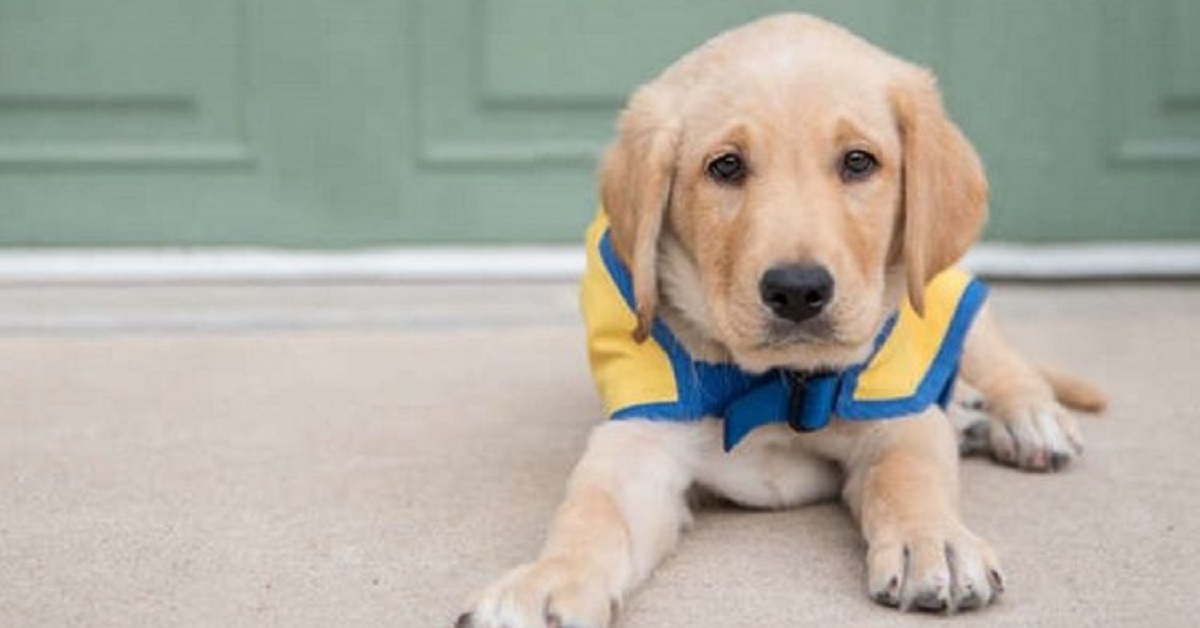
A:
x,y
365,456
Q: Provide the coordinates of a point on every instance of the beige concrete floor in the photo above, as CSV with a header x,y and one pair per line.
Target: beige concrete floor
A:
x,y
365,456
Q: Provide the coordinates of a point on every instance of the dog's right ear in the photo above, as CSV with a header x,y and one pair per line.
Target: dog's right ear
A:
x,y
636,177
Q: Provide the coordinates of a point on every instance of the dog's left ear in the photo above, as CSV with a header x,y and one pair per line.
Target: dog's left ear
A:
x,y
945,189
636,177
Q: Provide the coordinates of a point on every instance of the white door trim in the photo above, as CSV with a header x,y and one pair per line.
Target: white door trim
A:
x,y
528,263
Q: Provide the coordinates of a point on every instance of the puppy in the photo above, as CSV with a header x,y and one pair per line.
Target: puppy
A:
x,y
774,315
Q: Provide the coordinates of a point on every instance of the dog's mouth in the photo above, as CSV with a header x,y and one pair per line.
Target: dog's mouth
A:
x,y
758,339
779,334
817,343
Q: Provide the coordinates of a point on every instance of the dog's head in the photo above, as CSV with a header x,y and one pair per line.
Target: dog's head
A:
x,y
783,186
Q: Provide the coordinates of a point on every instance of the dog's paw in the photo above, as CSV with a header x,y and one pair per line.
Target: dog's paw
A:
x,y
544,594
971,422
934,570
1036,436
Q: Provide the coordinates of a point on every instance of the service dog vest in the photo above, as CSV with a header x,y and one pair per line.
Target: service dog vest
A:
x,y
913,365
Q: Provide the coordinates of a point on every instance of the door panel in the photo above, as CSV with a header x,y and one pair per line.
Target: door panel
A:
x,y
118,118
1071,115
376,122
100,88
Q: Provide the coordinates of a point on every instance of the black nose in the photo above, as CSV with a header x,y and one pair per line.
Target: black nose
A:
x,y
798,292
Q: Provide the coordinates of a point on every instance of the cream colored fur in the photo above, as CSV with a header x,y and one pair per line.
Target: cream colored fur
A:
x,y
790,93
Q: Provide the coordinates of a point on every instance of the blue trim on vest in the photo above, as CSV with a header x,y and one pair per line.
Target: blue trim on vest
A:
x,y
704,388
938,384
747,401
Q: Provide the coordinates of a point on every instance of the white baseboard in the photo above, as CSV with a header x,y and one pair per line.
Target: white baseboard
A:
x,y
534,263
1134,260
280,265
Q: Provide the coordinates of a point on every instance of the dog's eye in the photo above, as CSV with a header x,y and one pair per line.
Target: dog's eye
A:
x,y
728,168
858,164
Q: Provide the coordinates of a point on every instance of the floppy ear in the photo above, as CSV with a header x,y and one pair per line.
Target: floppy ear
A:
x,y
635,187
945,190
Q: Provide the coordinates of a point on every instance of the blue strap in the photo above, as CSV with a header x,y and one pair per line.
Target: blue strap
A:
x,y
804,402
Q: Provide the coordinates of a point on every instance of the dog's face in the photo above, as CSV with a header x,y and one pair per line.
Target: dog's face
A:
x,y
782,185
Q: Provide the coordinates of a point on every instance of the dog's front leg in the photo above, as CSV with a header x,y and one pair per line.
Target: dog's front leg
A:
x,y
902,485
1029,428
624,510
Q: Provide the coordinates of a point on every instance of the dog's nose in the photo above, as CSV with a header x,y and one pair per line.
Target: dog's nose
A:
x,y
797,292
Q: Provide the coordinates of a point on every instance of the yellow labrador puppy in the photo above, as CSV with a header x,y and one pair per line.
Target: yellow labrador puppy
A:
x,y
774,315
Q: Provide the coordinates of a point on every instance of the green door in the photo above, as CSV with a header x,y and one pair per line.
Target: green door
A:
x,y
374,122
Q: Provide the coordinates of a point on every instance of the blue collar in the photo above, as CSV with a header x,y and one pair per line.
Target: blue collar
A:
x,y
804,401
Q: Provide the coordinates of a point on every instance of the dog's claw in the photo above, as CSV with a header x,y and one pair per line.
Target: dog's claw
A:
x,y
889,595
996,579
932,600
973,439
970,599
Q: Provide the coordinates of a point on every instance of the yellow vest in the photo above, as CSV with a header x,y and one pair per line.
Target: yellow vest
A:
x,y
913,366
